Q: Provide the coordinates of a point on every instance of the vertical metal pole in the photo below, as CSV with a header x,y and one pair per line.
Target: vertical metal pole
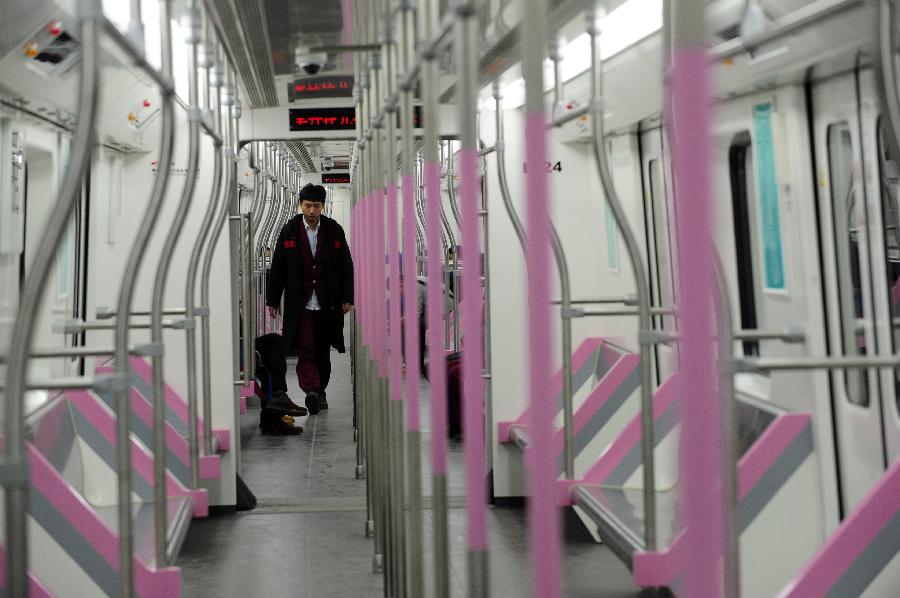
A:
x,y
411,316
250,303
17,491
704,501
645,325
472,357
396,496
435,308
160,506
206,269
126,291
455,271
234,228
207,61
488,359
451,302
543,514
725,326
565,293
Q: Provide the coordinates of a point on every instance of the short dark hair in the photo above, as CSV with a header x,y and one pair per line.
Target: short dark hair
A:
x,y
312,192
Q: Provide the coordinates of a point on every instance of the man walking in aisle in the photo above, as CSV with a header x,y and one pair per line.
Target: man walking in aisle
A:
x,y
313,268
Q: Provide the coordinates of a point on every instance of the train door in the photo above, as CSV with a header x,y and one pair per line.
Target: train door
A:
x,y
659,220
851,266
884,174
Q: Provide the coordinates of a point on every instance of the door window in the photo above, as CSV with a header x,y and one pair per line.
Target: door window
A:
x,y
848,213
658,228
740,166
889,177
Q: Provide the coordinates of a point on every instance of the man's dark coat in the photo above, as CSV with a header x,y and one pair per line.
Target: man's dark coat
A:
x,y
292,257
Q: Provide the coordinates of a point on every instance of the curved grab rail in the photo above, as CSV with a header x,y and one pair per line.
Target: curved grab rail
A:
x,y
640,279
564,284
190,292
565,290
412,242
160,507
725,338
887,74
14,409
453,274
126,293
206,269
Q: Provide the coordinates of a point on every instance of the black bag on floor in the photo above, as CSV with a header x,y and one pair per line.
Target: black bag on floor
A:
x,y
246,500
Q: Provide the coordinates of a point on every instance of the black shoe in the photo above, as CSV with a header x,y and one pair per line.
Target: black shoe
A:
x,y
280,427
312,402
282,403
323,403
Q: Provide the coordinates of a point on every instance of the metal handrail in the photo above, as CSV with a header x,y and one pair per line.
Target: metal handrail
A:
x,y
436,299
771,364
126,294
190,289
454,271
411,248
160,510
644,320
16,493
205,271
565,291
887,74
465,46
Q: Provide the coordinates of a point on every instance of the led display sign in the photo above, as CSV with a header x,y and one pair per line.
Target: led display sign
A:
x,y
331,86
335,178
333,119
323,119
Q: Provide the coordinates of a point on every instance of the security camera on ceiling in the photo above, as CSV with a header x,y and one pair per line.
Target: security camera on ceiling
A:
x,y
310,63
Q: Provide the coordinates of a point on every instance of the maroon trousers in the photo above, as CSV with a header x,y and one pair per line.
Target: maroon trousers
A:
x,y
314,354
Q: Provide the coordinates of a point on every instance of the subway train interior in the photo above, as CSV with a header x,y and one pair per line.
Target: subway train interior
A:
x,y
605,294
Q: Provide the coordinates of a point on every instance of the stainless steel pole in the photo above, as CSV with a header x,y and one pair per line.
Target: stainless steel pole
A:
x,y
126,292
208,60
645,325
565,293
16,488
730,482
451,296
160,506
465,44
454,273
234,252
411,301
435,303
206,268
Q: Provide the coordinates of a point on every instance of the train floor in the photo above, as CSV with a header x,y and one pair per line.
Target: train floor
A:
x,y
306,536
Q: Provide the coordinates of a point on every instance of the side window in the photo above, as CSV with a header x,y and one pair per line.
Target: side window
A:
x,y
740,168
848,214
889,178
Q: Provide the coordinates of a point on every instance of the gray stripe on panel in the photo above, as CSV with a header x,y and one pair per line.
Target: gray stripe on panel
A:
x,y
73,543
870,562
776,476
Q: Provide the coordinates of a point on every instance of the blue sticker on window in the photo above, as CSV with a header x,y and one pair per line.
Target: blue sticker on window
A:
x,y
768,197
